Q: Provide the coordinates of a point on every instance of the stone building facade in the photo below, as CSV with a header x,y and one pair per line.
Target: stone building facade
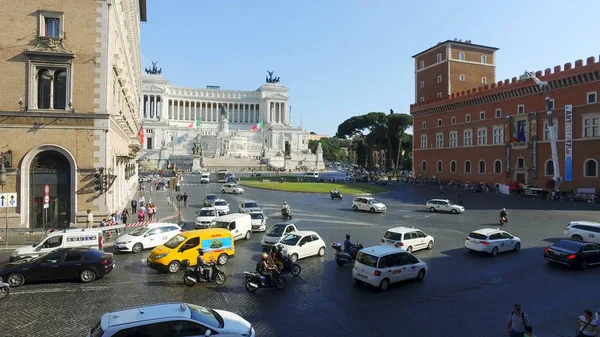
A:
x,y
69,108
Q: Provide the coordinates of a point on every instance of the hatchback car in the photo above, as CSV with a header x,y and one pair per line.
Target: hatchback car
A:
x,y
221,206
408,238
583,230
171,319
303,244
492,241
573,253
276,233
231,189
368,204
205,216
149,236
443,205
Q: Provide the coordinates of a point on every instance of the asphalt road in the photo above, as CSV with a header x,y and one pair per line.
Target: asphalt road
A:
x,y
462,295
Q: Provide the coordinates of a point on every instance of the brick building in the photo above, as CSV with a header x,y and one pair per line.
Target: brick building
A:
x,y
497,132
71,89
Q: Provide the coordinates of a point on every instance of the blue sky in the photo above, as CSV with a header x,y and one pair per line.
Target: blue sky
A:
x,y
345,58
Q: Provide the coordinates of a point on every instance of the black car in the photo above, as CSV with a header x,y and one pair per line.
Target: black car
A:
x,y
572,253
82,264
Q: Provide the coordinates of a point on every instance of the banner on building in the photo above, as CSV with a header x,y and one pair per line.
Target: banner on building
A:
x,y
568,143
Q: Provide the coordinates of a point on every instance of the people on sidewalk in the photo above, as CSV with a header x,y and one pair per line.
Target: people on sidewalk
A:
x,y
90,219
133,206
517,322
124,216
587,325
185,199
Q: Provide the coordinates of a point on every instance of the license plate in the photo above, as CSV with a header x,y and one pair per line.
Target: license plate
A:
x,y
389,241
474,241
362,276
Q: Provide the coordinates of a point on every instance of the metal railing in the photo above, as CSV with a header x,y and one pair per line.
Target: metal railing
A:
x,y
21,236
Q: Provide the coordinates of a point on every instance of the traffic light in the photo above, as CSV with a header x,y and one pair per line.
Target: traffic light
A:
x,y
98,181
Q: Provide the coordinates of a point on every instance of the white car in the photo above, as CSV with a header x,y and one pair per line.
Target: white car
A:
x,y
492,241
408,238
583,231
248,206
205,178
149,236
258,220
231,189
221,206
171,319
276,233
368,204
383,265
303,244
205,216
443,205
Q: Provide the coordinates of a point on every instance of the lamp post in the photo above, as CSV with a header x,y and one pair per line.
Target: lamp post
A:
x,y
2,171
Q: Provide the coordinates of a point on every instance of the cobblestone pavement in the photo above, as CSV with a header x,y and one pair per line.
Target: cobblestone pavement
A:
x,y
463,294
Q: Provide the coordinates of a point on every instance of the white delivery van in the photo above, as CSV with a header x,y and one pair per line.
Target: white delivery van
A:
x,y
239,224
68,238
205,178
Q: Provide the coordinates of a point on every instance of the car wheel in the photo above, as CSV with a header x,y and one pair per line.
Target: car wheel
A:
x,y
372,210
294,257
584,265
15,280
409,249
321,251
87,276
577,237
222,191
174,267
355,208
421,275
4,292
494,251
235,192
384,285
248,234
432,209
223,258
137,248
430,245
517,247
454,211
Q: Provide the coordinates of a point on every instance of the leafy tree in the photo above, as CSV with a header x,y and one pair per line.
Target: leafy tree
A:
x,y
332,148
397,126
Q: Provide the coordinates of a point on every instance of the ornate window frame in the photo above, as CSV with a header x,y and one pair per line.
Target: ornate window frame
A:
x,y
43,15
35,65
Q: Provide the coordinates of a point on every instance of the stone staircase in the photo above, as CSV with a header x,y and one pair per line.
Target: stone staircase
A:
x,y
233,163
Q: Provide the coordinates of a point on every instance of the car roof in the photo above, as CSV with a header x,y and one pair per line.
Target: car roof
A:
x,y
305,233
576,242
586,223
145,313
487,231
231,216
439,200
402,229
380,250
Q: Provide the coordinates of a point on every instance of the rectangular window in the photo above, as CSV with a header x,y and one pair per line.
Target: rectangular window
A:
x,y
521,109
591,126
423,125
439,57
439,122
591,97
423,141
49,89
483,80
498,134
149,143
483,59
439,140
461,56
422,84
453,120
467,138
547,132
51,24
551,104
421,64
439,95
439,79
521,163
498,113
461,78
422,99
467,118
481,115
482,137
453,139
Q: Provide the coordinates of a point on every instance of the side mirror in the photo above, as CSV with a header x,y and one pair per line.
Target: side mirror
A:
x,y
38,248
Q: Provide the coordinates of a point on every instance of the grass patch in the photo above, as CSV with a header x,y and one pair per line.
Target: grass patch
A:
x,y
353,188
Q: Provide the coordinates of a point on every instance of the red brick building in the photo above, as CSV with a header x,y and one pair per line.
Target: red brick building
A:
x,y
497,132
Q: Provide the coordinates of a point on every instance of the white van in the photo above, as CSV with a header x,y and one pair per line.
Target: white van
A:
x,y
205,178
68,238
239,224
311,175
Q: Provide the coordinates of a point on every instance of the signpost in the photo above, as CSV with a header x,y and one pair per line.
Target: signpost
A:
x,y
46,204
8,200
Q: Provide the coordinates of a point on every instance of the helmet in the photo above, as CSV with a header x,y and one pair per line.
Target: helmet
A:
x,y
264,256
347,236
200,251
504,209
285,202
280,247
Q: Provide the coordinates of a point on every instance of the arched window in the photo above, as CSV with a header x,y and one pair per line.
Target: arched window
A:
x,y
549,168
498,167
440,166
590,168
60,89
423,166
482,166
468,166
453,166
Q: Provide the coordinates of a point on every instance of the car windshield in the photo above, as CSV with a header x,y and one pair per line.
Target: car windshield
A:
x,y
291,239
256,216
219,224
206,316
251,205
477,236
374,201
366,259
207,212
175,241
276,231
567,245
211,197
139,231
220,203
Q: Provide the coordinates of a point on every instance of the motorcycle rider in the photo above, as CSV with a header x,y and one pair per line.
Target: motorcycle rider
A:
x,y
336,192
285,208
265,268
503,214
277,257
203,270
349,247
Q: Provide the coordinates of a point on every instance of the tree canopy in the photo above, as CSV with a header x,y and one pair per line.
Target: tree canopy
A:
x,y
333,148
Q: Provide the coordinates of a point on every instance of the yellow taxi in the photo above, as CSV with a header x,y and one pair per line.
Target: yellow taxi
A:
x,y
216,242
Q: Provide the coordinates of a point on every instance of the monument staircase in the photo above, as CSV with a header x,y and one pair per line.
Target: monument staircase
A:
x,y
231,163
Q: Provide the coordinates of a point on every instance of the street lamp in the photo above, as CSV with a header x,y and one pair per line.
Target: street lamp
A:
x,y
2,173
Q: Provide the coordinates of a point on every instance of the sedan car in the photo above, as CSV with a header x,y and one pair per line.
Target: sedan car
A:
x,y
248,206
573,253
368,204
209,200
84,264
205,216
231,189
408,238
276,233
259,221
443,205
303,244
145,237
221,206
492,241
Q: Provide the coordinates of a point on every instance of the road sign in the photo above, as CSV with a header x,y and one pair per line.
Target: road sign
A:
x,y
46,189
11,199
179,197
46,201
3,200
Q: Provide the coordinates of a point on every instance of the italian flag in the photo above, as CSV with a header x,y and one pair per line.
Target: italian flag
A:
x,y
258,126
196,123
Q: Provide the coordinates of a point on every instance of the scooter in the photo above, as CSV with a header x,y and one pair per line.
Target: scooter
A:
x,y
4,290
190,276
342,257
286,213
335,195
290,267
255,281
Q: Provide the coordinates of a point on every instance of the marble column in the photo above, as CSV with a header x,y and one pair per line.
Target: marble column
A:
x,y
283,114
141,113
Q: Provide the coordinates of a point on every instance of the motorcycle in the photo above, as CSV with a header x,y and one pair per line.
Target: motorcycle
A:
x,y
4,290
503,220
335,195
255,281
190,275
290,267
286,213
342,257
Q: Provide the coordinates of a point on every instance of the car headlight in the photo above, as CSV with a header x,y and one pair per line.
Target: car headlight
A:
x,y
160,256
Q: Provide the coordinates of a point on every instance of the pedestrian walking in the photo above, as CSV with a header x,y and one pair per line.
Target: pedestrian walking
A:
x,y
90,219
140,215
141,201
124,216
517,322
587,326
185,197
150,212
178,186
133,206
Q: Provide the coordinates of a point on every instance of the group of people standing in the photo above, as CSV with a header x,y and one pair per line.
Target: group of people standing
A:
x,y
146,211
519,324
